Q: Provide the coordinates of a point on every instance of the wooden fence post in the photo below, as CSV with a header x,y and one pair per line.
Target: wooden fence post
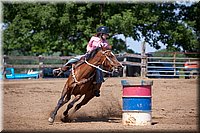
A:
x,y
125,67
4,65
143,61
41,58
174,63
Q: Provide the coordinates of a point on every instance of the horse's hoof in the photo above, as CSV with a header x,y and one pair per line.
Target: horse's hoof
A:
x,y
51,120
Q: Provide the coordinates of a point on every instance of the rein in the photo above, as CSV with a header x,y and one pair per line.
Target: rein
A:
x,y
102,63
97,67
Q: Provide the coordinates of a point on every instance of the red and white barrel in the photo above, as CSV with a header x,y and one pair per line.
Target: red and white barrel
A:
x,y
136,102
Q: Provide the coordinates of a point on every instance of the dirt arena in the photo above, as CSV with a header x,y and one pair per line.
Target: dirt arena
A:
x,y
28,103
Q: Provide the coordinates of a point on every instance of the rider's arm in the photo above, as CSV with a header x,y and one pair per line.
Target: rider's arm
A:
x,y
93,43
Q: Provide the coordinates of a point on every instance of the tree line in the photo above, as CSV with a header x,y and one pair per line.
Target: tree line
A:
x,y
65,28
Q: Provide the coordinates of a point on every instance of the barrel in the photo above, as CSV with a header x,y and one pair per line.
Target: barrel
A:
x,y
136,104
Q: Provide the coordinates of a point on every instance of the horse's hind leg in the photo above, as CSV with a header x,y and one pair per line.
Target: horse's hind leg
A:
x,y
87,98
70,105
60,103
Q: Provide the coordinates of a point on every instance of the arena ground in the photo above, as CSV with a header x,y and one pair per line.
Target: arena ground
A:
x,y
28,103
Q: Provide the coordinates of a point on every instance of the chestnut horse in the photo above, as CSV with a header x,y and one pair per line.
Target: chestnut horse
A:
x,y
82,78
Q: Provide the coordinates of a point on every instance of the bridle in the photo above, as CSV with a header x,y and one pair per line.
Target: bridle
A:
x,y
97,67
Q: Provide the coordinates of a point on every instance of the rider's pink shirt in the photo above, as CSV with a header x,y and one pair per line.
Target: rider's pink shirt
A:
x,y
96,42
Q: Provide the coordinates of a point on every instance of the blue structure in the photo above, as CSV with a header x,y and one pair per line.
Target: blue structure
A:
x,y
136,103
10,74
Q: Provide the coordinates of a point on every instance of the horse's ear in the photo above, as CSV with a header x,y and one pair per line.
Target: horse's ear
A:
x,y
103,48
101,45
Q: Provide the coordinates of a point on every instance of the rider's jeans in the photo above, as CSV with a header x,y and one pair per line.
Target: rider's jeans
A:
x,y
99,76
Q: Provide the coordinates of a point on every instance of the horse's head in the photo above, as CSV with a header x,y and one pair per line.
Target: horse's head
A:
x,y
110,61
107,59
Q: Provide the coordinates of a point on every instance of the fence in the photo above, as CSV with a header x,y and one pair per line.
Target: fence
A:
x,y
33,61
172,67
40,62
135,65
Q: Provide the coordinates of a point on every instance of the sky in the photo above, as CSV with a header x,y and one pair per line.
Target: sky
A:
x,y
137,46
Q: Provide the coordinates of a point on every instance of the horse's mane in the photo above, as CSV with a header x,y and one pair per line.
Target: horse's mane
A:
x,y
88,56
93,53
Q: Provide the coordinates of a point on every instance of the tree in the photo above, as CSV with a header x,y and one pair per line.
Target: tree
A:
x,y
192,19
47,28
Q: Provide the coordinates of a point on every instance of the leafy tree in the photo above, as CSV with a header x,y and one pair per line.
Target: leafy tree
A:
x,y
192,19
47,28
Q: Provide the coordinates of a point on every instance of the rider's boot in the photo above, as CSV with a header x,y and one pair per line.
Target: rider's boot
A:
x,y
65,68
98,81
60,70
97,89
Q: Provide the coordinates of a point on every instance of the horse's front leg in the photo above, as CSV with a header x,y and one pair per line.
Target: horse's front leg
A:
x,y
60,103
70,105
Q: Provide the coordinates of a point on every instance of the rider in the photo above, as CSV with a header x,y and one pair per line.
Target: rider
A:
x,y
98,40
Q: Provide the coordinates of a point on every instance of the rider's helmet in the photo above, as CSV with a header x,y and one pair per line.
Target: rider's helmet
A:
x,y
103,30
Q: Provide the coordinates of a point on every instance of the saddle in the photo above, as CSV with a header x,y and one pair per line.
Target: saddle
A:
x,y
57,72
88,55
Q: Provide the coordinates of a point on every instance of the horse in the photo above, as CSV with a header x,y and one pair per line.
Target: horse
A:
x,y
81,80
